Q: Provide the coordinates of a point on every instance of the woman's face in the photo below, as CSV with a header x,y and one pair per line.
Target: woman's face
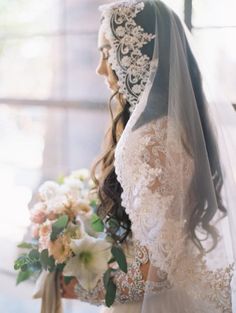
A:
x,y
104,67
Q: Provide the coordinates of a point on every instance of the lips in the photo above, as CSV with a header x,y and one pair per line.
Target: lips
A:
x,y
109,85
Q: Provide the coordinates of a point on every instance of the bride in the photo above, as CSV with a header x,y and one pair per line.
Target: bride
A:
x,y
160,176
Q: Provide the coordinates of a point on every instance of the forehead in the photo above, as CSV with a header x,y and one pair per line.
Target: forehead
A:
x,y
102,40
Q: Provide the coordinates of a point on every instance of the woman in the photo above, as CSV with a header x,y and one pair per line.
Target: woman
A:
x,y
160,175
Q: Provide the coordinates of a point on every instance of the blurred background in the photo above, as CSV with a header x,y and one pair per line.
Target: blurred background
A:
x,y
53,109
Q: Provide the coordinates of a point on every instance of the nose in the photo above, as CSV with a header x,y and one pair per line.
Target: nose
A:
x,y
102,67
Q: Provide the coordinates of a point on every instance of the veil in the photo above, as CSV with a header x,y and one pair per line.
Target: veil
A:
x,y
178,169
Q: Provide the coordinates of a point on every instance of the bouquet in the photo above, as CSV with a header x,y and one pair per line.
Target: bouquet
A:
x,y
68,236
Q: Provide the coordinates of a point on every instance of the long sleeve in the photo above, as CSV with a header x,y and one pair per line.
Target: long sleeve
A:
x,y
130,285
155,170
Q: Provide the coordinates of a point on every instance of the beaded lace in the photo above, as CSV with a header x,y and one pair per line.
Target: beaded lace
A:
x,y
130,286
127,39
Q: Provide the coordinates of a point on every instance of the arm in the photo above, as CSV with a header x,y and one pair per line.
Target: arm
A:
x,y
130,285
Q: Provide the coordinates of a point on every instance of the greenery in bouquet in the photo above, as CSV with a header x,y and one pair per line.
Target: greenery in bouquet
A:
x,y
69,237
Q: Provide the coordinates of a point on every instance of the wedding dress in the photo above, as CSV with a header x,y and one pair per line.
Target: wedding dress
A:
x,y
131,288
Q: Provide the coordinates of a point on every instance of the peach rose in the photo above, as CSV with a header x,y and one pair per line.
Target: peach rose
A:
x,y
38,214
82,208
51,215
60,249
45,229
44,243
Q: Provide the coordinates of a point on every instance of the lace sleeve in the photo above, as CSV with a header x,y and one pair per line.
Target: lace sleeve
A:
x,y
155,169
130,285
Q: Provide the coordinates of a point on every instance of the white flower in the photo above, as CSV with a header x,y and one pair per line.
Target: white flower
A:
x,y
72,187
48,190
54,197
82,207
90,260
82,174
58,204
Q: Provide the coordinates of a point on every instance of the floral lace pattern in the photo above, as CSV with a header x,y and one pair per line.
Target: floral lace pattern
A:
x,y
155,195
127,39
130,286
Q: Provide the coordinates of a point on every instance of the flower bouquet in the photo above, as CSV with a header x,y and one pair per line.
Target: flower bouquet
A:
x,y
69,238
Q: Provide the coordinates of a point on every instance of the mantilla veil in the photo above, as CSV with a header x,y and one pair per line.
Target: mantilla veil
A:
x,y
172,161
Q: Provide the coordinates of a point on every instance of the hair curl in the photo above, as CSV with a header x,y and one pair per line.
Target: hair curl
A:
x,y
106,184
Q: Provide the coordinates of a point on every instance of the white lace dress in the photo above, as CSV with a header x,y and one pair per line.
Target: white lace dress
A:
x,y
148,176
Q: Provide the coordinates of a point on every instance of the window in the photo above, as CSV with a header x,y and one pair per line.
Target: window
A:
x,y
48,54
214,29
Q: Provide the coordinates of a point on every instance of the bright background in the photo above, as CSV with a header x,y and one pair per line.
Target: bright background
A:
x,y
53,109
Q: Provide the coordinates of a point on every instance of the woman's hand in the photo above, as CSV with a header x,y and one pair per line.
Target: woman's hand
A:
x,y
67,290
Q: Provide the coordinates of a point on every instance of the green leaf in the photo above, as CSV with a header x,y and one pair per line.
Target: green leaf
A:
x,y
106,277
120,258
48,262
25,245
60,267
34,255
61,222
24,268
112,260
110,293
68,279
59,226
51,264
22,276
93,203
44,259
35,267
97,223
20,261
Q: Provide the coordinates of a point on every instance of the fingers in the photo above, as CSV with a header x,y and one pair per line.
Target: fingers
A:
x,y
67,290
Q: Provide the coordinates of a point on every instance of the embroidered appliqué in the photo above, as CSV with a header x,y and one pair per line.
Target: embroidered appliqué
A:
x,y
154,196
127,39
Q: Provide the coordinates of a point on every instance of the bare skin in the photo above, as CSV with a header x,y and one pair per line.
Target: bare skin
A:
x,y
104,69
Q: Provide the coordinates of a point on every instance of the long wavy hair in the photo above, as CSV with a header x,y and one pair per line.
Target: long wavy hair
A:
x,y
118,224
109,189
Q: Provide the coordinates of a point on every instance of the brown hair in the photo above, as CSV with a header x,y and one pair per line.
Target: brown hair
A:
x,y
109,190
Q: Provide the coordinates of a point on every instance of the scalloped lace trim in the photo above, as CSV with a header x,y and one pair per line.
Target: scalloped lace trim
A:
x,y
127,39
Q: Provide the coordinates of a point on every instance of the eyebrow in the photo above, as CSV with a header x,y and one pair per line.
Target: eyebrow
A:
x,y
104,46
